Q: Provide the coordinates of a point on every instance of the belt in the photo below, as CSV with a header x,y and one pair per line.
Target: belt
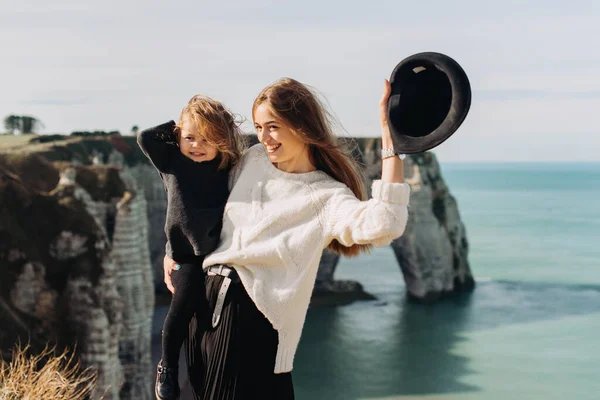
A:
x,y
227,273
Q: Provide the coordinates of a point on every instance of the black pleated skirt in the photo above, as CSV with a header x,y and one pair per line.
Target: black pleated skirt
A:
x,y
235,360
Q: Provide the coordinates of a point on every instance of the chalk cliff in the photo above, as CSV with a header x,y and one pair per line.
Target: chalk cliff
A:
x,y
81,247
75,263
433,251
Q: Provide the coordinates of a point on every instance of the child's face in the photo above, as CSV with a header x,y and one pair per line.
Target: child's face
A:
x,y
193,145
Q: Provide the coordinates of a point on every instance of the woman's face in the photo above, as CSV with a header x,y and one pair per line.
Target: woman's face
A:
x,y
285,150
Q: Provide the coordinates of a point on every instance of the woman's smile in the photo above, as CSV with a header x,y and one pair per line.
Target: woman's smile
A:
x,y
273,148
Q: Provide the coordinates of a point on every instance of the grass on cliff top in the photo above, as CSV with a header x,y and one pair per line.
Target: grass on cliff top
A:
x,y
44,376
7,141
73,148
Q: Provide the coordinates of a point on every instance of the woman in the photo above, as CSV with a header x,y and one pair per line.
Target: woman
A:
x,y
293,195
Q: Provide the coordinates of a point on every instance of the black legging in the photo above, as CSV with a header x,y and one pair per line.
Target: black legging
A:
x,y
187,300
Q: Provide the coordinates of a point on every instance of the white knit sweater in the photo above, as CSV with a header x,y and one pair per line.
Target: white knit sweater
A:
x,y
276,225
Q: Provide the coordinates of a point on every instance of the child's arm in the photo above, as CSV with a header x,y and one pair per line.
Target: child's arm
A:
x,y
158,144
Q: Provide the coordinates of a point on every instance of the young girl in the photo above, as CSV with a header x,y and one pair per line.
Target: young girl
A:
x,y
294,194
193,159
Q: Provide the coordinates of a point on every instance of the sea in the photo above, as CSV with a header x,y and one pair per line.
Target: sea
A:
x,y
531,328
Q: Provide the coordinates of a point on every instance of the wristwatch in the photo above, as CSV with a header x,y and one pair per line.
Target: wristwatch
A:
x,y
389,152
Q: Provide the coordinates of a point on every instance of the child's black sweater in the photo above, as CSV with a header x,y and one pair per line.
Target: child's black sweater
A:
x,y
196,194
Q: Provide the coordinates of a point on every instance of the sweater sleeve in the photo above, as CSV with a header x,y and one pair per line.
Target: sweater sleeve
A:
x,y
377,221
158,144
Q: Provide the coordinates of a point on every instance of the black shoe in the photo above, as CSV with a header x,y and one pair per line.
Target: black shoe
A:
x,y
167,383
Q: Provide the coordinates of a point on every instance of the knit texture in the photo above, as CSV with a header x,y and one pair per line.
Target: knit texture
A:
x,y
276,225
196,195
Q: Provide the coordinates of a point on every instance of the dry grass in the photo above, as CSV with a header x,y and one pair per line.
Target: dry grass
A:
x,y
44,376
7,141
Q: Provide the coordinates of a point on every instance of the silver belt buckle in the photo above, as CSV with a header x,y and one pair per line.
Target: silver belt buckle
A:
x,y
218,270
220,301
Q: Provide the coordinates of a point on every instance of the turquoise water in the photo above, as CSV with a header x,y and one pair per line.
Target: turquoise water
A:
x,y
530,329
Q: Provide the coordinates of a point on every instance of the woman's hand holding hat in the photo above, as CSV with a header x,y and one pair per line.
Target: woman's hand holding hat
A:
x,y
383,112
392,169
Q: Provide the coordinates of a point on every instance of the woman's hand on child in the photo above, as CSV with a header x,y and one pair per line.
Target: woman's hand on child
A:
x,y
168,266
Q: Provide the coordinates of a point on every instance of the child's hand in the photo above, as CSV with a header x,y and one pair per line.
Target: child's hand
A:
x,y
169,133
169,265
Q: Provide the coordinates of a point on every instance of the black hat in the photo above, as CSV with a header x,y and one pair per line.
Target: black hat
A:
x,y
430,98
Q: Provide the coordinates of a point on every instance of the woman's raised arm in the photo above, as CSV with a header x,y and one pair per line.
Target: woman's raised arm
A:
x,y
392,169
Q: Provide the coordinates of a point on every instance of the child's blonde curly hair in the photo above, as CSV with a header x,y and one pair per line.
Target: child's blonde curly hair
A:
x,y
217,125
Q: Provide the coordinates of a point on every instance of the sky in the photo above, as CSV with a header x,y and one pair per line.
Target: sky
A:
x,y
534,66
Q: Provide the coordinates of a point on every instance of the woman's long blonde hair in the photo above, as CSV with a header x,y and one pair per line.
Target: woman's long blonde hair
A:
x,y
299,108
